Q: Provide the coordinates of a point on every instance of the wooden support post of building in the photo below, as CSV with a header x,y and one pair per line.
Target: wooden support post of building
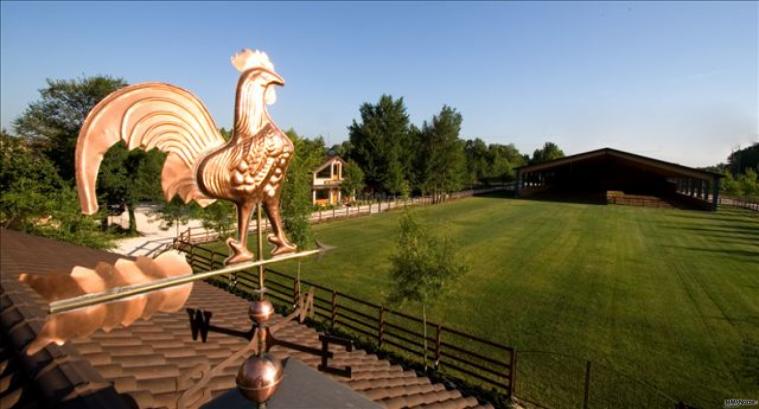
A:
x,y
715,192
518,186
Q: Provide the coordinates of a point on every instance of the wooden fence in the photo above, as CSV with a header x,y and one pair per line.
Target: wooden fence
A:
x,y
361,208
739,202
486,364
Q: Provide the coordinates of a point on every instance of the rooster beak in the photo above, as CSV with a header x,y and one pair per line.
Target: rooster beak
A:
x,y
276,79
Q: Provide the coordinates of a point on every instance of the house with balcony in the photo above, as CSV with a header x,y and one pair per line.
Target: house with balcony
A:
x,y
325,188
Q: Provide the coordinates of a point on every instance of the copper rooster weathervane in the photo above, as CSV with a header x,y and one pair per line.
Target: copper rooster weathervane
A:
x,y
247,170
200,165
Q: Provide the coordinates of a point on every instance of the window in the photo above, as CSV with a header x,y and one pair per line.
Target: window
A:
x,y
324,173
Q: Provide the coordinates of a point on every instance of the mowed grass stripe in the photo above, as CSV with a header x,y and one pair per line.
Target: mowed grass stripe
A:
x,y
668,296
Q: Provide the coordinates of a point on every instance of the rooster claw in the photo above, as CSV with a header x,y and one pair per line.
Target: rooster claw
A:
x,y
282,246
240,253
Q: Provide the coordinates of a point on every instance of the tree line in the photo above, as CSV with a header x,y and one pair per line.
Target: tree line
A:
x,y
386,155
397,157
741,170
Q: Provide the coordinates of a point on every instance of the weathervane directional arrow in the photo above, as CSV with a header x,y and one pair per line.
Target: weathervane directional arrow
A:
x,y
120,293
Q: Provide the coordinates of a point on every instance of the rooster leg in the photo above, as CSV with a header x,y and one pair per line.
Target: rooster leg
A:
x,y
239,247
277,237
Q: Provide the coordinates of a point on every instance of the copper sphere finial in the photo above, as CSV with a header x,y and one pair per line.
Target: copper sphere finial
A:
x,y
260,311
259,377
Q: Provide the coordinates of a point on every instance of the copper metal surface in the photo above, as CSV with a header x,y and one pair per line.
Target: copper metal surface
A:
x,y
246,170
259,377
83,322
62,304
260,311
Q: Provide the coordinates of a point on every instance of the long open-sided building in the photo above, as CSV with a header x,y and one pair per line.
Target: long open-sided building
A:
x,y
611,176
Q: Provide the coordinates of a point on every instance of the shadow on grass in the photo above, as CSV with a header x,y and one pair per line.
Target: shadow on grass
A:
x,y
728,252
569,198
737,217
740,231
498,194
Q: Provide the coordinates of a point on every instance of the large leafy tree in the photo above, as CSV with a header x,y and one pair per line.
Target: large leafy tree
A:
x,y
503,159
743,159
296,192
52,126
380,144
52,123
441,153
33,198
549,151
477,166
353,179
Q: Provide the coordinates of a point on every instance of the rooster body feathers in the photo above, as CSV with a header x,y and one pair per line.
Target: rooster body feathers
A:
x,y
200,165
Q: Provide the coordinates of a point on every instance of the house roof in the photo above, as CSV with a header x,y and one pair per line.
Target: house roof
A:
x,y
329,160
152,362
670,167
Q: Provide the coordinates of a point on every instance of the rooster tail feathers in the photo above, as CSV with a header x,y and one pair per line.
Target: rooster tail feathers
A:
x,y
147,116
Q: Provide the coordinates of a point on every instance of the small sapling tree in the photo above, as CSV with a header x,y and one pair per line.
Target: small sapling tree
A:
x,y
421,267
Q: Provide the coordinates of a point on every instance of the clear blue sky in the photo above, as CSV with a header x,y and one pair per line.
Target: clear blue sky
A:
x,y
676,80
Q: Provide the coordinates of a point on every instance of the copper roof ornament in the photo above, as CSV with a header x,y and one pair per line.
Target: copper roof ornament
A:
x,y
200,165
247,170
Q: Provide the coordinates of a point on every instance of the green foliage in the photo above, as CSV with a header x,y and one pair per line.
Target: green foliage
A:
x,y
52,126
494,162
745,185
550,151
422,263
34,199
176,212
441,163
748,183
220,217
353,179
380,144
128,177
53,122
576,279
296,192
742,160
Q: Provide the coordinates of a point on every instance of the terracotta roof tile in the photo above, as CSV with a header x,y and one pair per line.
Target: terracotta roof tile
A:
x,y
155,361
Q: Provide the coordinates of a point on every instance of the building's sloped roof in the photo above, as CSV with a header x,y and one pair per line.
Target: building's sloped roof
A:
x,y
674,168
153,362
329,159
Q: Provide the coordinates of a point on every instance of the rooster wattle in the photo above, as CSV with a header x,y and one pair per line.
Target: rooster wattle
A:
x,y
247,170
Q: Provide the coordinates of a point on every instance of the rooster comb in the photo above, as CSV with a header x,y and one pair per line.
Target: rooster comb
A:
x,y
247,59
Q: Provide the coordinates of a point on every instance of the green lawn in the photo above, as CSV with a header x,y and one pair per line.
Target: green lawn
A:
x,y
667,296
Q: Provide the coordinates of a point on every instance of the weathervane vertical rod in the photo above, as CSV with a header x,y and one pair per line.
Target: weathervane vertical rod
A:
x,y
260,234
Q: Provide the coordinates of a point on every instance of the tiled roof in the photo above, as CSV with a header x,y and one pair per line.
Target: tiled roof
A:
x,y
153,362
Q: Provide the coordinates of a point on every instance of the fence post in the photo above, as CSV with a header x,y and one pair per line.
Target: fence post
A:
x,y
587,386
513,373
295,292
437,346
334,309
381,329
